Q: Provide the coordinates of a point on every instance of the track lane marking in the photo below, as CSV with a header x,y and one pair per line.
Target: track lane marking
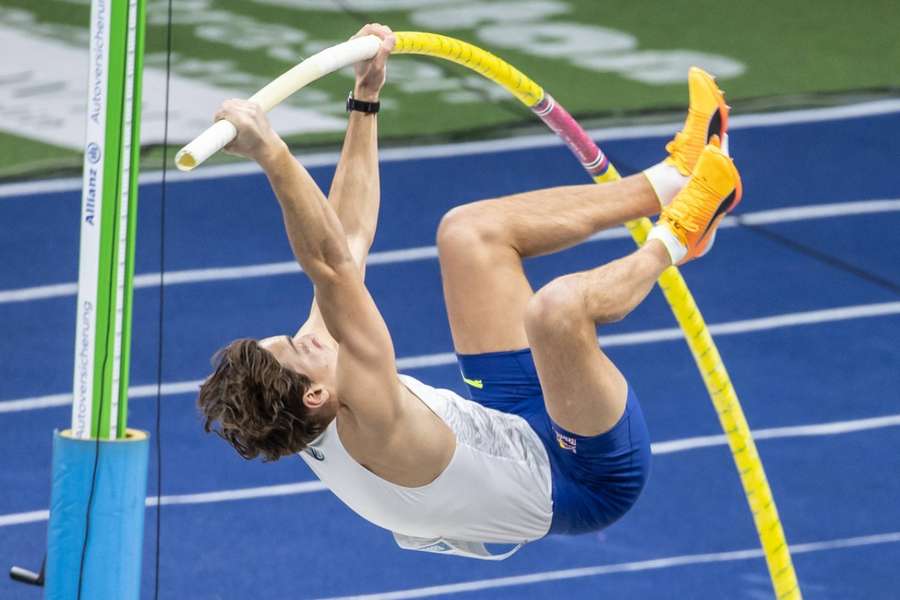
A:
x,y
387,257
527,142
626,567
658,448
774,433
269,491
813,317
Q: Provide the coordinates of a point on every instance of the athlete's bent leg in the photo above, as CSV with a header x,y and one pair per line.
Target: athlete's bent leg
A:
x,y
584,391
481,247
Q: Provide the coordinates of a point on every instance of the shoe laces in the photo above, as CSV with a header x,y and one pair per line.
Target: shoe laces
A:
x,y
686,146
692,209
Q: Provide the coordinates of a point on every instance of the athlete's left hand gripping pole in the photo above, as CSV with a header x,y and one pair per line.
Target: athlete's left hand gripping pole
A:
x,y
331,59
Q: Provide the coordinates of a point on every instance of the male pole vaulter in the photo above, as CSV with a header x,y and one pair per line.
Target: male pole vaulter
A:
x,y
553,439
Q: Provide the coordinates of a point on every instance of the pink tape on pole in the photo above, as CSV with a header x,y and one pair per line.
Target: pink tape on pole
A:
x,y
566,127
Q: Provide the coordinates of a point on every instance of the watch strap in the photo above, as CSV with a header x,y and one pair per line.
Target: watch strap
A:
x,y
369,108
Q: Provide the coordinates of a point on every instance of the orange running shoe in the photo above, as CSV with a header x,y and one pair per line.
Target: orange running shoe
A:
x,y
707,116
687,226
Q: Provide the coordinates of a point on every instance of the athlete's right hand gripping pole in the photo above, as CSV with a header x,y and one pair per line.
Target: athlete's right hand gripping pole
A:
x,y
700,342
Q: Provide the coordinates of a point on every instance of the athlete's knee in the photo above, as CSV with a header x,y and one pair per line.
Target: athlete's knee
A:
x,y
466,230
564,306
556,310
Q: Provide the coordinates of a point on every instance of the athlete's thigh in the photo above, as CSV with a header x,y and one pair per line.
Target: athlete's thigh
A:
x,y
486,293
585,393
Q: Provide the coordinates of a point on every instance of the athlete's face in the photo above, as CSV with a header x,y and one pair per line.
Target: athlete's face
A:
x,y
307,354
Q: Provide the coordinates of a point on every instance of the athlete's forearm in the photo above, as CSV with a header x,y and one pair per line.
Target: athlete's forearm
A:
x,y
355,191
314,231
354,196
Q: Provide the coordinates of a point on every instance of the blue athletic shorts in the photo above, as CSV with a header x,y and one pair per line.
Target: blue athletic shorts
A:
x,y
596,479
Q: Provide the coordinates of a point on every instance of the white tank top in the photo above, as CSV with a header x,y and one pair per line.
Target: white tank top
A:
x,y
496,488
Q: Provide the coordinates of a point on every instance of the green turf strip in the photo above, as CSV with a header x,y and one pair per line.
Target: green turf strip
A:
x,y
793,53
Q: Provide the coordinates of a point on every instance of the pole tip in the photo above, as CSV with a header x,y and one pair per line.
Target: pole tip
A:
x,y
184,160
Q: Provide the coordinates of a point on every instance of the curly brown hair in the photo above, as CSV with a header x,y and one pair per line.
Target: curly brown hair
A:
x,y
256,404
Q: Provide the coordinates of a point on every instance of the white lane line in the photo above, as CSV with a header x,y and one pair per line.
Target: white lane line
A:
x,y
269,491
34,516
806,318
188,276
544,140
279,268
659,448
627,567
815,211
57,290
729,328
813,317
287,489
135,391
819,429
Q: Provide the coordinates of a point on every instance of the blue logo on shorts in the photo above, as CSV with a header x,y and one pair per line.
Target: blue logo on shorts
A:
x,y
566,442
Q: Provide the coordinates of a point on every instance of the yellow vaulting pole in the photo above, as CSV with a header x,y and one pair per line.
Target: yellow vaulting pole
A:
x,y
724,398
709,362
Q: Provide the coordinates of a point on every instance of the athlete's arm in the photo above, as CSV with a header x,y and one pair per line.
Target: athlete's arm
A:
x,y
355,190
317,238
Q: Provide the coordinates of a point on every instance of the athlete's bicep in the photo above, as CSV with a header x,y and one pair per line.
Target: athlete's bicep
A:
x,y
351,315
367,372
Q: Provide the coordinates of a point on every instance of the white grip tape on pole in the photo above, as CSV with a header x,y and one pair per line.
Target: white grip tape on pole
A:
x,y
205,145
318,65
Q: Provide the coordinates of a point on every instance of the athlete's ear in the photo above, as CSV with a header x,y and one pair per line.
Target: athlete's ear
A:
x,y
316,396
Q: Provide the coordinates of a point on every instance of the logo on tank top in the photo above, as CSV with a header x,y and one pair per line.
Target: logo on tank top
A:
x,y
315,453
566,442
440,546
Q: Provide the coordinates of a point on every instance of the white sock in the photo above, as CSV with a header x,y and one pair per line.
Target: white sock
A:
x,y
673,245
666,181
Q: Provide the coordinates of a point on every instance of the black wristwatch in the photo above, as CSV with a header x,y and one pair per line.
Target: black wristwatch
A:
x,y
370,108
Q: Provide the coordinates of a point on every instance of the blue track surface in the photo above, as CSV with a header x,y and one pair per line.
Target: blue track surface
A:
x,y
828,487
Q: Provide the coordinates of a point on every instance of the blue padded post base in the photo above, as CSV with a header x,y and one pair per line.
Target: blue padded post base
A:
x,y
112,561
